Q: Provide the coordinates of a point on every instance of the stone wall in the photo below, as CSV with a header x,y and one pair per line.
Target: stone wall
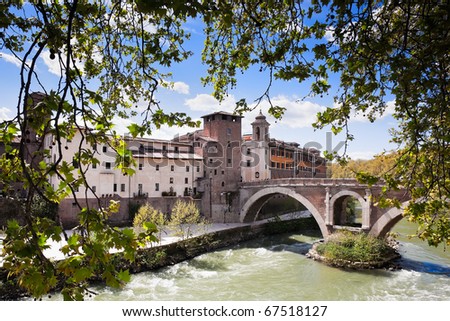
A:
x,y
68,209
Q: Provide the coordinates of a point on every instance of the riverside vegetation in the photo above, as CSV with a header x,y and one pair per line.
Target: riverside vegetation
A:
x,y
354,250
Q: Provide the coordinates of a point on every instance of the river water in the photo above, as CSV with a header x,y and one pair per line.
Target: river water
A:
x,y
275,268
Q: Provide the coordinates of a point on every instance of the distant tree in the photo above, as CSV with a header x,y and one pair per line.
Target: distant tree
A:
x,y
147,213
186,219
380,165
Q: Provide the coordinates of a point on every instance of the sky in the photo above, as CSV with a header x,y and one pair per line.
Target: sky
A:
x,y
188,95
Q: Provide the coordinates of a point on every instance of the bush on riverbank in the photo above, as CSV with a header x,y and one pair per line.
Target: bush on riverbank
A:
x,y
347,249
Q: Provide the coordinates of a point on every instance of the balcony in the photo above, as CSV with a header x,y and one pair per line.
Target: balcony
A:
x,y
140,195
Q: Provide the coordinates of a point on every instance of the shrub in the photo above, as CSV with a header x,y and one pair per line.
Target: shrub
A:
x,y
185,216
148,213
359,247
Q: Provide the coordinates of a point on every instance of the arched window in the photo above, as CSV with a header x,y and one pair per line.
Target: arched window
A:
x,y
258,133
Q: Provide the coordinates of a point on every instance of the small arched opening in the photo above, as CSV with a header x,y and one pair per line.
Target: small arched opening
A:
x,y
347,211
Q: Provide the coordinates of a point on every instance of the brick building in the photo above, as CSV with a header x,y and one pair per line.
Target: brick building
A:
x,y
206,166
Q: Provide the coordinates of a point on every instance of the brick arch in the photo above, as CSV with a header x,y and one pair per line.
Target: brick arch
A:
x,y
387,221
347,193
361,200
256,201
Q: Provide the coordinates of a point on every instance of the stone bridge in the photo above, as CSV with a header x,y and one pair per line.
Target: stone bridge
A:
x,y
326,199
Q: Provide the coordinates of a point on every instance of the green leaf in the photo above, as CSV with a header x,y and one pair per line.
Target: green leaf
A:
x,y
124,276
82,274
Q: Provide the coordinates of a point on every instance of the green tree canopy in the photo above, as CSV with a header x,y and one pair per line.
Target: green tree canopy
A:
x,y
111,54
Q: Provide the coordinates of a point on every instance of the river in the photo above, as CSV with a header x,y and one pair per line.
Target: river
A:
x,y
275,268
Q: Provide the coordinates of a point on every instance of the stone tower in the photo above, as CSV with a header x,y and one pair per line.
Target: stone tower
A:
x,y
222,158
255,152
260,129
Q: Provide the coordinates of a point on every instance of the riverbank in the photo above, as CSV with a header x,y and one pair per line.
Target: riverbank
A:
x,y
174,252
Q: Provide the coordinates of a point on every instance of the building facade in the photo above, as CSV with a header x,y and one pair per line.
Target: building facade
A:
x,y
268,158
206,166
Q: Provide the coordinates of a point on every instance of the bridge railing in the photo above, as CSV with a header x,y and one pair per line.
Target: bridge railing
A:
x,y
305,182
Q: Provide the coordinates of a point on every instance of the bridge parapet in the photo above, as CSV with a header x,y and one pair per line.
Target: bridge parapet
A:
x,y
306,182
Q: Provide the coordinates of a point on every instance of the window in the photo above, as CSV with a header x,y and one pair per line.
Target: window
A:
x,y
176,149
229,161
172,168
228,131
156,186
75,162
224,117
257,175
223,184
171,180
94,165
141,166
215,172
157,167
164,147
198,169
248,151
94,189
122,187
140,189
105,149
187,168
114,187
223,172
248,163
108,165
186,180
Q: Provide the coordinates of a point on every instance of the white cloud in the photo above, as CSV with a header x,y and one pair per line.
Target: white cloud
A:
x,y
207,103
329,34
362,117
166,132
5,113
298,114
54,65
181,87
11,59
177,86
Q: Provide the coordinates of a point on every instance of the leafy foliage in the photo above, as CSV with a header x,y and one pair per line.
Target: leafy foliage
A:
x,y
185,216
111,56
147,213
345,245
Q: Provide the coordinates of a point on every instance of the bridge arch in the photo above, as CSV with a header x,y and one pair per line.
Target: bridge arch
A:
x,y
338,197
387,221
252,206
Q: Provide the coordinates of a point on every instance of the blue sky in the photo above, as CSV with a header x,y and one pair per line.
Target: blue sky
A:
x,y
190,96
